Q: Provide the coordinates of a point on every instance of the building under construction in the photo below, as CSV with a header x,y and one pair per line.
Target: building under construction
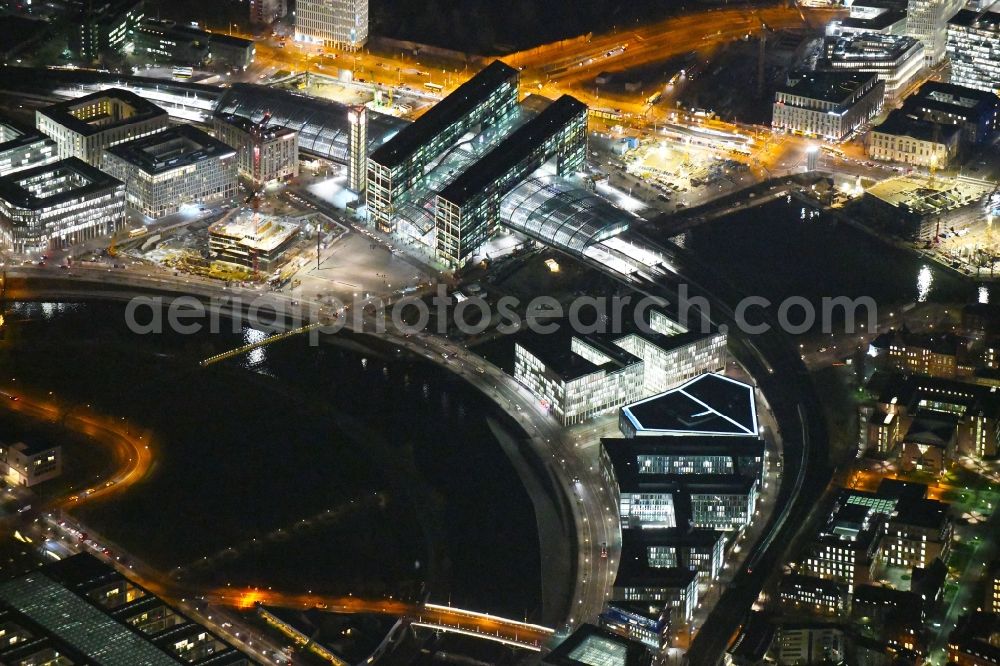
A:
x,y
249,239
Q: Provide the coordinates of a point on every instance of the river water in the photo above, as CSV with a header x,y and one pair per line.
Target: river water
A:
x,y
344,467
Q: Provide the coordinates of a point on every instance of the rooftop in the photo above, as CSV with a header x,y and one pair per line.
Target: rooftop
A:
x,y
269,131
932,429
125,107
680,445
556,352
875,23
710,404
834,87
267,235
923,195
899,123
14,135
635,569
73,603
514,149
173,148
593,646
967,18
868,46
939,343
930,514
442,115
918,391
53,184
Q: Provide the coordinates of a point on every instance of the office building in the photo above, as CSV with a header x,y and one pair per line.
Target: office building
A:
x,y
467,209
30,464
572,378
879,605
974,49
991,600
908,140
59,204
709,405
694,454
927,21
977,112
23,148
929,443
846,549
804,643
266,12
919,532
827,105
267,153
973,642
870,16
250,240
167,170
591,645
719,502
976,407
341,24
699,550
643,622
811,595
104,26
85,126
357,167
931,354
675,588
578,378
399,164
182,44
81,611
896,59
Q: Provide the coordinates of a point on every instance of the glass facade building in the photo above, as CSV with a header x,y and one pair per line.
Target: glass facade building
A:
x,y
467,211
342,24
974,49
927,21
59,204
398,165
182,165
23,148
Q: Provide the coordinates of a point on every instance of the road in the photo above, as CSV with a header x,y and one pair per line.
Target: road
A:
x,y
593,516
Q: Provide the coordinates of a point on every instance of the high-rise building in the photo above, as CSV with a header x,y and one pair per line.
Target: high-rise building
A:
x,y
974,49
399,164
467,210
265,12
357,168
342,24
927,20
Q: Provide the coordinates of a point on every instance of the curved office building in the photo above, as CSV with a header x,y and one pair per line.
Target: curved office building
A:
x,y
554,211
322,124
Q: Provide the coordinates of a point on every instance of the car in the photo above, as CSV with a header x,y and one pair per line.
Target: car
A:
x,y
604,549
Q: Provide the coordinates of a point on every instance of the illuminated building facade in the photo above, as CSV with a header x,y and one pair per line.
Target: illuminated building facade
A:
x,y
674,588
266,12
895,59
927,21
167,170
85,126
645,623
811,595
974,49
107,26
341,24
827,105
579,378
28,465
846,549
267,153
467,210
991,602
399,164
23,148
934,355
591,645
82,611
587,376
919,532
977,112
357,167
59,204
